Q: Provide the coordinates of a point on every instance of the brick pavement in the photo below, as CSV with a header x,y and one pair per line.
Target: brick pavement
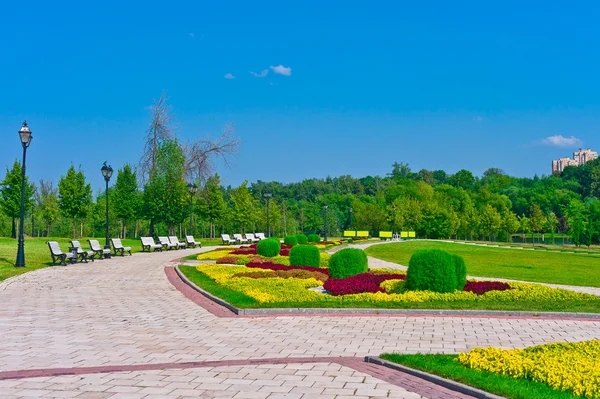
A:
x,y
125,312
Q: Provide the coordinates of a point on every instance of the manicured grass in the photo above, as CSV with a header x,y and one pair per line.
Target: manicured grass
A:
x,y
446,366
240,300
517,264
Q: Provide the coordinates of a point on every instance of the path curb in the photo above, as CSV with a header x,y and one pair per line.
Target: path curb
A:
x,y
450,384
380,312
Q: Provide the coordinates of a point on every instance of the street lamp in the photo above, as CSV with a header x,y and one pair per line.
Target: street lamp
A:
x,y
192,190
350,211
107,172
393,221
268,197
325,222
25,135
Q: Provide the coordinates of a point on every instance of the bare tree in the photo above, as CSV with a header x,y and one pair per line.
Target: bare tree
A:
x,y
200,156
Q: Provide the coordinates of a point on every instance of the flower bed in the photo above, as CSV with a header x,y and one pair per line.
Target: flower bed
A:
x,y
481,287
364,282
573,367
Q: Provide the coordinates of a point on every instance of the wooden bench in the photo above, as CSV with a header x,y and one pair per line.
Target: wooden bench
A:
x,y
98,250
57,254
149,244
118,247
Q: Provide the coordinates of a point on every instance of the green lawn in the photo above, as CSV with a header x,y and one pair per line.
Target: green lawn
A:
x,y
517,264
446,366
37,254
241,300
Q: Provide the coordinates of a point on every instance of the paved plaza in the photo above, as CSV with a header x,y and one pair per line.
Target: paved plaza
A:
x,y
102,329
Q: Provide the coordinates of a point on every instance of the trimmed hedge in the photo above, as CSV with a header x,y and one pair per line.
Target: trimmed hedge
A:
x,y
302,239
314,238
305,255
348,262
431,270
269,247
290,240
461,272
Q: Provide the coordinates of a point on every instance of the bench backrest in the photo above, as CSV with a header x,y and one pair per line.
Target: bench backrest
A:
x,y
76,244
95,245
174,240
147,240
250,236
163,240
260,236
54,248
116,242
225,237
238,236
190,239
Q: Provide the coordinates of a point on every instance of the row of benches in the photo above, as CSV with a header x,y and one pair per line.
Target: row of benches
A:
x,y
170,242
382,234
248,238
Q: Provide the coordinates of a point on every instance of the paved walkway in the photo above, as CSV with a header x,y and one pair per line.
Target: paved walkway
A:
x,y
124,312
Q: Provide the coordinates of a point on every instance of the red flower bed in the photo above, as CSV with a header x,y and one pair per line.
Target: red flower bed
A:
x,y
481,287
288,247
284,252
277,266
244,251
364,282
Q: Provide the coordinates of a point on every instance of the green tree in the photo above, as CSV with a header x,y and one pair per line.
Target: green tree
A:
x,y
126,201
74,196
525,226
577,221
243,212
213,207
510,224
490,222
536,220
10,195
47,204
551,224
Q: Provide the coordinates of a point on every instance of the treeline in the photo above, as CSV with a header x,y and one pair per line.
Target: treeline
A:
x,y
432,203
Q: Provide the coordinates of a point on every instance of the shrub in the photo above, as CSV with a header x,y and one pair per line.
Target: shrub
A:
x,y
348,262
431,270
350,241
302,239
305,255
269,247
313,238
461,271
290,240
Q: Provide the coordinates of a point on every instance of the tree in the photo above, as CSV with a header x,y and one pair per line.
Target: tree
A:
x,y
47,200
536,220
490,221
213,205
74,196
551,224
577,221
167,189
126,200
464,179
525,226
10,195
243,212
510,224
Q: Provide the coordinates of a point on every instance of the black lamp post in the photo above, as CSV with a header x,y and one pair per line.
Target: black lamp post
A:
x,y
107,172
325,222
25,135
268,197
192,190
393,221
350,211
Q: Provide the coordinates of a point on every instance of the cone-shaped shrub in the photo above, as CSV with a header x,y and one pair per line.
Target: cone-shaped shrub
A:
x,y
314,238
305,255
431,270
269,247
461,272
302,239
290,240
348,262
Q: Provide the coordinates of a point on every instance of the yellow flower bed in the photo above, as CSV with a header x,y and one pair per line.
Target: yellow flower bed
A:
x,y
325,259
293,289
214,255
573,367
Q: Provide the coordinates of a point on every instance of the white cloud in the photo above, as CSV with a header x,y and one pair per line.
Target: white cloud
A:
x,y
281,70
262,73
560,141
229,76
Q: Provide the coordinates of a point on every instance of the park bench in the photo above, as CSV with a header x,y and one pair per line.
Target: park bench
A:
x,y
118,247
260,236
227,240
81,253
251,238
149,244
98,250
192,243
57,254
164,241
175,241
239,239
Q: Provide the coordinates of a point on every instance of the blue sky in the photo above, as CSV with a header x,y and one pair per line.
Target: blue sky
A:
x,y
438,85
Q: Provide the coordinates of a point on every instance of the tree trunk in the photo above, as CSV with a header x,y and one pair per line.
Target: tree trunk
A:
x,y
73,227
151,229
124,228
212,230
80,229
171,228
135,234
13,233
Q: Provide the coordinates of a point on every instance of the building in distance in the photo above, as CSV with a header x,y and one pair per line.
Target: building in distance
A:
x,y
580,157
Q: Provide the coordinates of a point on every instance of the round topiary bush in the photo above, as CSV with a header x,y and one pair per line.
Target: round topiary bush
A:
x,y
431,270
302,239
290,240
269,247
314,238
305,255
348,262
461,272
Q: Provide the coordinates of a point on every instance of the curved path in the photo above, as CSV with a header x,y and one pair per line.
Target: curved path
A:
x,y
123,312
